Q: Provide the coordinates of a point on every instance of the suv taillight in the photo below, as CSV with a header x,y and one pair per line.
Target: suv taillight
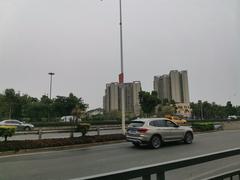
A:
x,y
142,130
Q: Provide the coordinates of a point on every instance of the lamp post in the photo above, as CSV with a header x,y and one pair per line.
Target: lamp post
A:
x,y
121,75
50,93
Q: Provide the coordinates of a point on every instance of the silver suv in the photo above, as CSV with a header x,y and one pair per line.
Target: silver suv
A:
x,y
154,131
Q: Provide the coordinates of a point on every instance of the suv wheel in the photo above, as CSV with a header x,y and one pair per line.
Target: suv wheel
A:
x,y
155,142
188,138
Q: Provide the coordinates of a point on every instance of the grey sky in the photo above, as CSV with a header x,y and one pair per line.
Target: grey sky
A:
x,y
79,41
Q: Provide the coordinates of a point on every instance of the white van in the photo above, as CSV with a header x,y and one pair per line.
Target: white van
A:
x,y
68,118
232,117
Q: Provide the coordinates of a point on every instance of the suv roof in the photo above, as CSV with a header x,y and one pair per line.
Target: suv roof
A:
x,y
149,119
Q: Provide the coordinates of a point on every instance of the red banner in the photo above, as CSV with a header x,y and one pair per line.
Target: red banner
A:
x,y
121,78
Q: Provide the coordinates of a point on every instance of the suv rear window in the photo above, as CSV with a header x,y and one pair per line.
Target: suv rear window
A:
x,y
136,124
158,123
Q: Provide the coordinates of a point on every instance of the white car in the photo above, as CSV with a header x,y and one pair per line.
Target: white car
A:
x,y
232,117
68,119
18,124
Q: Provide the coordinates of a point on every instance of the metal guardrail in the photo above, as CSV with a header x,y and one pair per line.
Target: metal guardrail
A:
x,y
159,169
41,132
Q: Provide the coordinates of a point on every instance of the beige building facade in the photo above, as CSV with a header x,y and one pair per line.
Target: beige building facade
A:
x,y
183,109
162,87
173,86
184,87
112,97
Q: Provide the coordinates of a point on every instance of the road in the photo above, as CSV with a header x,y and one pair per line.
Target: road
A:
x,y
70,164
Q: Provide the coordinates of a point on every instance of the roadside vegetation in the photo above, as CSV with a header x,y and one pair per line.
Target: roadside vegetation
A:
x,y
153,106
14,105
7,131
26,108
203,126
44,143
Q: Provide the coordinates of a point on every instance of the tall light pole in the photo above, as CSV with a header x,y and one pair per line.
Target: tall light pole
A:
x,y
121,75
50,89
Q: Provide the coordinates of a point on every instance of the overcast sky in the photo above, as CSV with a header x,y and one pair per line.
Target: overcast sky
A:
x,y
78,40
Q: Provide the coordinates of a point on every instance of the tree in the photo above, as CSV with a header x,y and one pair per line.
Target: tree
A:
x,y
78,113
6,131
63,106
36,111
45,100
148,102
167,110
230,110
11,104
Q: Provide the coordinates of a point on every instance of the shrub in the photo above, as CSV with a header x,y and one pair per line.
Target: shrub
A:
x,y
83,128
43,143
7,131
204,126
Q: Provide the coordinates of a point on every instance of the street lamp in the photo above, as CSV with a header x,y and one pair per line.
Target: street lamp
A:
x,y
121,75
51,74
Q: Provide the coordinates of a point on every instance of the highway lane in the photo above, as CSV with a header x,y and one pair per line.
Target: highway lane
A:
x,y
70,164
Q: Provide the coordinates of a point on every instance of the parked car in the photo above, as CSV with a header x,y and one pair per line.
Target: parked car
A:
x,y
19,125
155,131
176,119
233,117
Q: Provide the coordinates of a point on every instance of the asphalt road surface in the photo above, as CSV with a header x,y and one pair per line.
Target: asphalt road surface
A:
x,y
71,164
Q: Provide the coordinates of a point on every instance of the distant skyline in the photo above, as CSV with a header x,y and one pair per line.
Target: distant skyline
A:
x,y
79,42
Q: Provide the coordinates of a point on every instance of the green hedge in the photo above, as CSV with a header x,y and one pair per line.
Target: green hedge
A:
x,y
43,143
203,126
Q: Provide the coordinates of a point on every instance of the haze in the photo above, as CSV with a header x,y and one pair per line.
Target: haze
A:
x,y
78,40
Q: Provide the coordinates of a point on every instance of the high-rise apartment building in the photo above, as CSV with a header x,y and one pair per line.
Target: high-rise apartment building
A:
x,y
162,87
112,98
173,86
185,88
